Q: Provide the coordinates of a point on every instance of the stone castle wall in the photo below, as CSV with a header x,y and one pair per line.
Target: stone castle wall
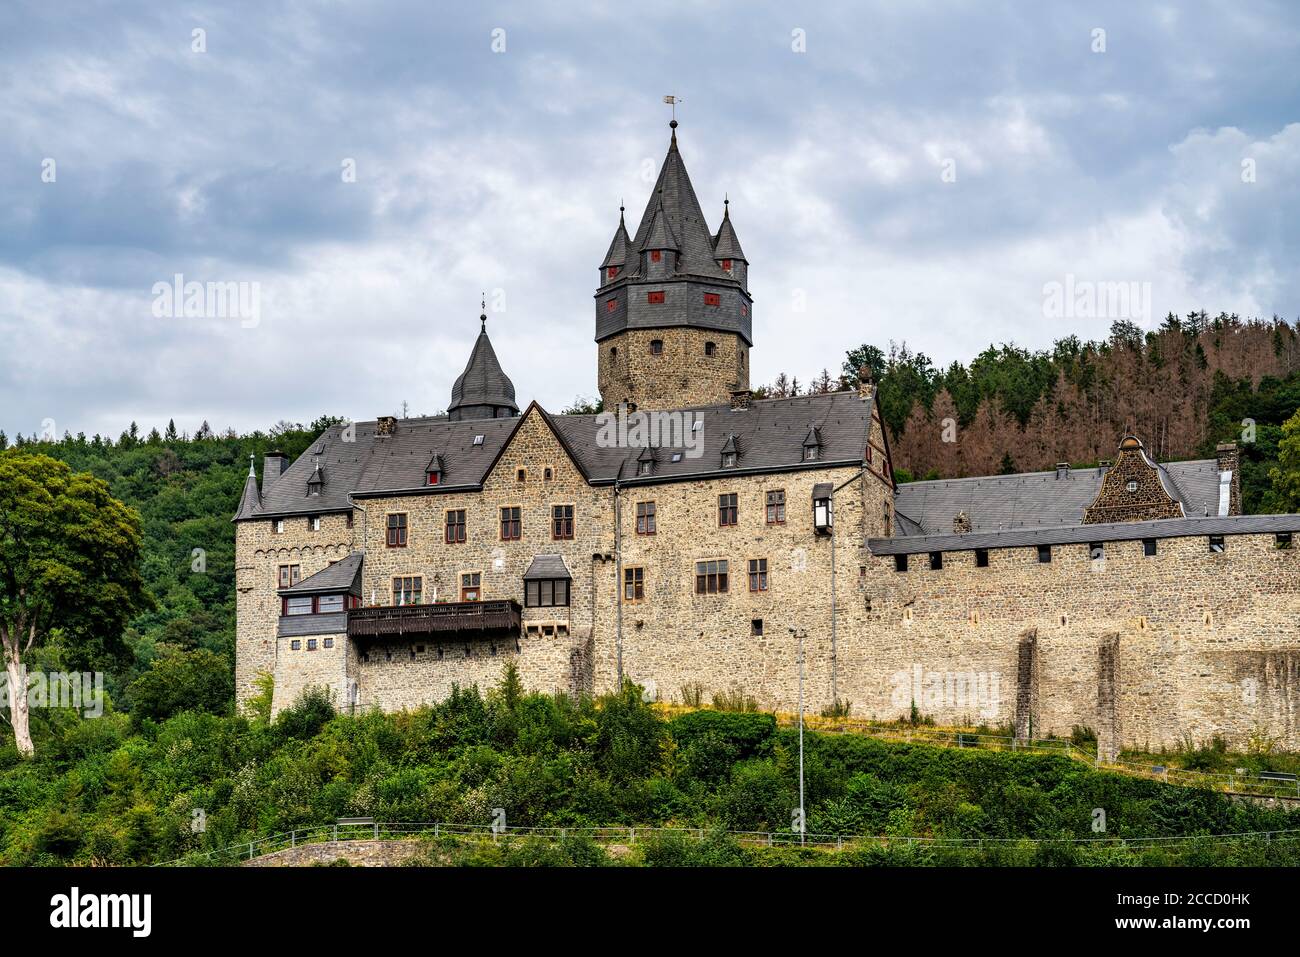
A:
x,y
681,376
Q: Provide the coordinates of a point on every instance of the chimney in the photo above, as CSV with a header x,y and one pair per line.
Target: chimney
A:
x,y
385,425
740,399
960,523
1062,469
1228,458
865,384
273,465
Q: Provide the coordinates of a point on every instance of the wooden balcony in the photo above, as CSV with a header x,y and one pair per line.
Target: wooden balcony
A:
x,y
453,619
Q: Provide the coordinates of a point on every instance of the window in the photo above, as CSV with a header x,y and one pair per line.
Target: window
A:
x,y
810,453
634,584
981,558
521,475
349,519
408,590
710,348
776,507
313,524
311,644
511,524
1216,544
397,530
758,574
726,264
936,561
277,527
433,478
613,352
478,440
301,605
548,473
677,456
656,347
546,593
728,511
611,305
654,298
328,604
295,645
1282,540
1131,486
611,272
561,521
900,563
470,583
645,518
455,531
756,627
290,575
1097,551
1148,547
646,467
1044,554
711,577
656,255
328,642
728,460
712,299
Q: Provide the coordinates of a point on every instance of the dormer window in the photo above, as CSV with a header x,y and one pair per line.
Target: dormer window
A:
x,y
810,453
432,478
317,481
645,462
812,444
656,347
728,460
656,255
433,471
644,468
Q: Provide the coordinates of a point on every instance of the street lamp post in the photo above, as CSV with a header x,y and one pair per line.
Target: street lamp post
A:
x,y
803,820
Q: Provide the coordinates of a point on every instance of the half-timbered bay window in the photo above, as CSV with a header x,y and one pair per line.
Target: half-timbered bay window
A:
x,y
728,509
408,590
711,577
396,530
511,523
758,574
776,507
546,593
455,531
561,521
634,584
645,518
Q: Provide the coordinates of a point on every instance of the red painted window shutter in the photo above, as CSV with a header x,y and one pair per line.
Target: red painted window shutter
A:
x,y
656,255
653,297
611,272
744,310
726,264
712,299
611,305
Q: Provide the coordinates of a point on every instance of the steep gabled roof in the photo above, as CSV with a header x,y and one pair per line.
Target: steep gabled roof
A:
x,y
343,575
660,234
618,246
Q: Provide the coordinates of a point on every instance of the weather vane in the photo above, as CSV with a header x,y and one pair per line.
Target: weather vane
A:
x,y
673,101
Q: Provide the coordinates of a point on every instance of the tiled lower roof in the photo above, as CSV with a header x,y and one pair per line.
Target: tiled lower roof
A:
x,y
1086,534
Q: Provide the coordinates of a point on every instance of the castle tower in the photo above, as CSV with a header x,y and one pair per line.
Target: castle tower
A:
x,y
673,310
483,390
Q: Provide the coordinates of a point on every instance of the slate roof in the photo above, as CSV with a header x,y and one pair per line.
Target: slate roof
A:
x,y
682,217
251,499
343,575
1086,534
1039,499
725,243
617,254
483,382
547,566
768,437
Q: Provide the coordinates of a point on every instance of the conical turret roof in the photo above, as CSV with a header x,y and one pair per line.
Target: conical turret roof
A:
x,y
483,383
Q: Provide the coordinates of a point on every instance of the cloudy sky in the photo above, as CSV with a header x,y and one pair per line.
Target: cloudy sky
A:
x,y
914,172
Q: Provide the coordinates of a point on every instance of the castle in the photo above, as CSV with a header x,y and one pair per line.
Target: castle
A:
x,y
693,536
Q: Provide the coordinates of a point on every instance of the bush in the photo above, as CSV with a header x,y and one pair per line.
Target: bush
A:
x,y
182,681
309,713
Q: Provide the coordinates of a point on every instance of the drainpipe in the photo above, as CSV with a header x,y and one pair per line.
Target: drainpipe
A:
x,y
618,579
835,664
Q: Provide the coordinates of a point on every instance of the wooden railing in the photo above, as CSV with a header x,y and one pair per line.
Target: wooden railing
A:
x,y
448,619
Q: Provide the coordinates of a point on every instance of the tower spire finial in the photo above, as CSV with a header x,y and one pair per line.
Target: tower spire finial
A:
x,y
252,473
672,124
482,316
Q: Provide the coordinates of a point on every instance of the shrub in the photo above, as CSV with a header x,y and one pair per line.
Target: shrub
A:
x,y
182,681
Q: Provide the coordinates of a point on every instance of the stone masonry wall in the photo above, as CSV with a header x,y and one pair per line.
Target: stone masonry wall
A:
x,y
681,376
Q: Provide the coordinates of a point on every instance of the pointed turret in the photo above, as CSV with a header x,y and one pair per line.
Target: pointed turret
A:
x,y
483,390
616,259
726,248
251,501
